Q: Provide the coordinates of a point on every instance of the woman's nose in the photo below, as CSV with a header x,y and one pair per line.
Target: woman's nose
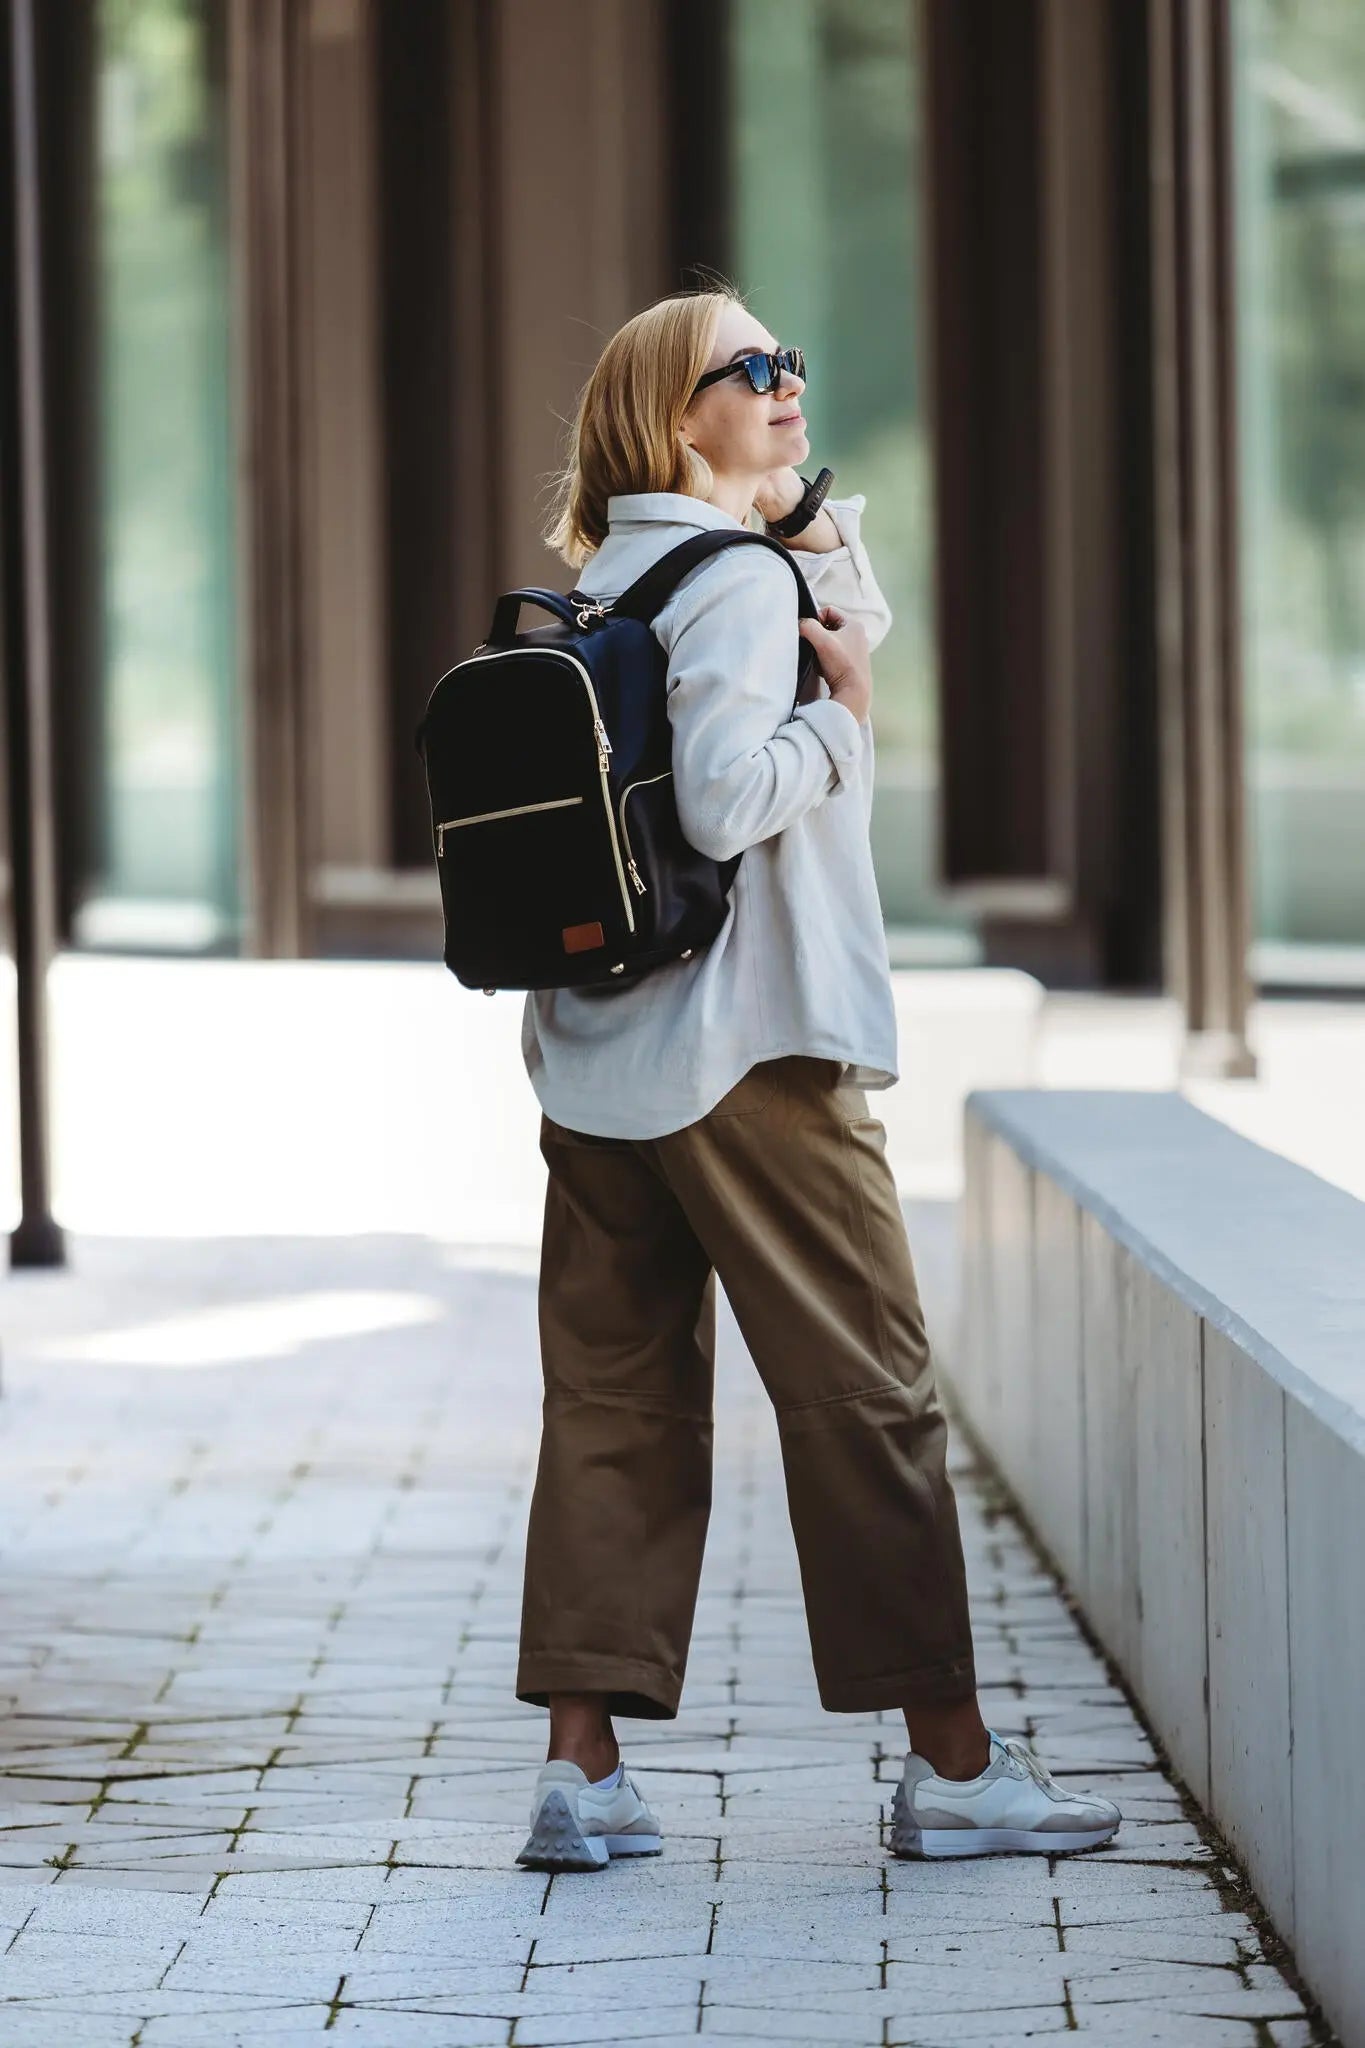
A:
x,y
789,384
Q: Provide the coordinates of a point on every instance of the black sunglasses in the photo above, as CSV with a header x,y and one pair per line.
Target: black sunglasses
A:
x,y
763,370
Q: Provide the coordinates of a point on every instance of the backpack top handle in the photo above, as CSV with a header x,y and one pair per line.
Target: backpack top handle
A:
x,y
507,612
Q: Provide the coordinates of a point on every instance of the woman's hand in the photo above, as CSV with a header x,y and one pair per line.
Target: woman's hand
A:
x,y
845,660
780,492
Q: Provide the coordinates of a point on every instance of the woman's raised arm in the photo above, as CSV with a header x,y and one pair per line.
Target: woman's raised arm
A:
x,y
743,765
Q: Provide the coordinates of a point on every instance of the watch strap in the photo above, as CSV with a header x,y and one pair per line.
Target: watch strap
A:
x,y
804,511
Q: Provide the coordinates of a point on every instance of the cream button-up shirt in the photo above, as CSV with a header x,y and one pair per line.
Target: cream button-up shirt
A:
x,y
800,964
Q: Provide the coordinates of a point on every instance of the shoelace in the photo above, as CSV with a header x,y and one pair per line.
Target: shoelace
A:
x,y
1031,1764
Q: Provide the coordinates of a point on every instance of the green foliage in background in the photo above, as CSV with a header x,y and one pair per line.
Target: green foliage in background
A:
x,y
169,697
827,221
1301,109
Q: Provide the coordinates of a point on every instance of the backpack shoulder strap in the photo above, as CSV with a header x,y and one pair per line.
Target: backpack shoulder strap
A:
x,y
648,595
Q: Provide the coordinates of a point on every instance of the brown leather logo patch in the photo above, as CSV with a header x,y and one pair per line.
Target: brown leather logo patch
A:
x,y
581,938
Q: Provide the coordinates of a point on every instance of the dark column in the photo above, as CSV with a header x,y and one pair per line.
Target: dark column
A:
x,y
433,508
481,395
984,287
69,181
1035,289
26,594
700,130
264,140
1197,583
575,254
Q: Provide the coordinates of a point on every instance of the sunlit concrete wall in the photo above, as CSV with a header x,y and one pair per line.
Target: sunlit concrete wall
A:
x,y
1162,1345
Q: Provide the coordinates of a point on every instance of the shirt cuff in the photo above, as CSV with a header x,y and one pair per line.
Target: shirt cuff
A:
x,y
839,733
847,515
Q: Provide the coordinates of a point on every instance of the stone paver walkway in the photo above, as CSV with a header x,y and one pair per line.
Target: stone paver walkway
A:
x,y
263,1778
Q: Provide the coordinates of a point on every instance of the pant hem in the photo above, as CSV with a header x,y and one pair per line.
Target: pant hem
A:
x,y
642,1691
938,1685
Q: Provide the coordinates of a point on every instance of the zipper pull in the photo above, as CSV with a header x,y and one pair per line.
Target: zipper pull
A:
x,y
603,741
634,873
440,842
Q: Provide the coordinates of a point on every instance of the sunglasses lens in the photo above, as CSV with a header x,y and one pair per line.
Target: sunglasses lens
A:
x,y
765,372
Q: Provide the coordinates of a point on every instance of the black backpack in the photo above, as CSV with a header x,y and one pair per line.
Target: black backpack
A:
x,y
548,762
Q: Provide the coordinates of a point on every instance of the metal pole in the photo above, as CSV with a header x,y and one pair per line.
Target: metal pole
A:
x,y
38,1240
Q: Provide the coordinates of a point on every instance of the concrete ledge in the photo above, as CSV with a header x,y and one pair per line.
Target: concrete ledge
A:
x,y
1163,1347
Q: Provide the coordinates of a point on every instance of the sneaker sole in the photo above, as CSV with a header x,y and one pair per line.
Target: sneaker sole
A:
x,y
556,1842
909,1839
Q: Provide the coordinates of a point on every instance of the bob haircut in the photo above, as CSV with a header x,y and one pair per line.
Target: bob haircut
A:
x,y
626,434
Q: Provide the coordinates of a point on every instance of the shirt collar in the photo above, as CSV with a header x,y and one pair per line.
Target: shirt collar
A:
x,y
676,508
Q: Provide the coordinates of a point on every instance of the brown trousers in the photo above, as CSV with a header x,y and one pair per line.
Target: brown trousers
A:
x,y
785,1192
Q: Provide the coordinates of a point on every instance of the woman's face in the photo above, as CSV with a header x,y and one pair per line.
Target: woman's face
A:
x,y
740,433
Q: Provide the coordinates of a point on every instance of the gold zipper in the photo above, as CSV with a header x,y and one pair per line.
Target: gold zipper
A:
x,y
557,803
603,740
641,783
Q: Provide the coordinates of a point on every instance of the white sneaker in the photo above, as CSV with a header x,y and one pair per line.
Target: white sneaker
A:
x,y
576,1825
1014,1804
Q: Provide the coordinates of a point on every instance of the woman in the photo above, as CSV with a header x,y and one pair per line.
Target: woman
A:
x,y
712,1119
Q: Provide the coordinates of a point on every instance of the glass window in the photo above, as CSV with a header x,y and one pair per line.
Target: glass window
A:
x,y
166,777
826,157
1301,145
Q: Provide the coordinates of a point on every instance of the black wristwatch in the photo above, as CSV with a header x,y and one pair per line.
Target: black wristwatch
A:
x,y
805,509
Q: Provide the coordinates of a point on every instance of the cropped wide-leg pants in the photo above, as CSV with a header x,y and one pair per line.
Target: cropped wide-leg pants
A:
x,y
784,1191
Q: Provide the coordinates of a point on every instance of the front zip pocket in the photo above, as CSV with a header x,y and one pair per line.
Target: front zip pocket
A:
x,y
602,742
557,803
642,782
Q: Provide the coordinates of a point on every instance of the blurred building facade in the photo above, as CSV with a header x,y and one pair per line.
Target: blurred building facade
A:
x,y
1083,294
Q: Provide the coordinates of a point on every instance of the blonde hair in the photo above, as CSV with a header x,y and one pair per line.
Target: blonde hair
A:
x,y
626,433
